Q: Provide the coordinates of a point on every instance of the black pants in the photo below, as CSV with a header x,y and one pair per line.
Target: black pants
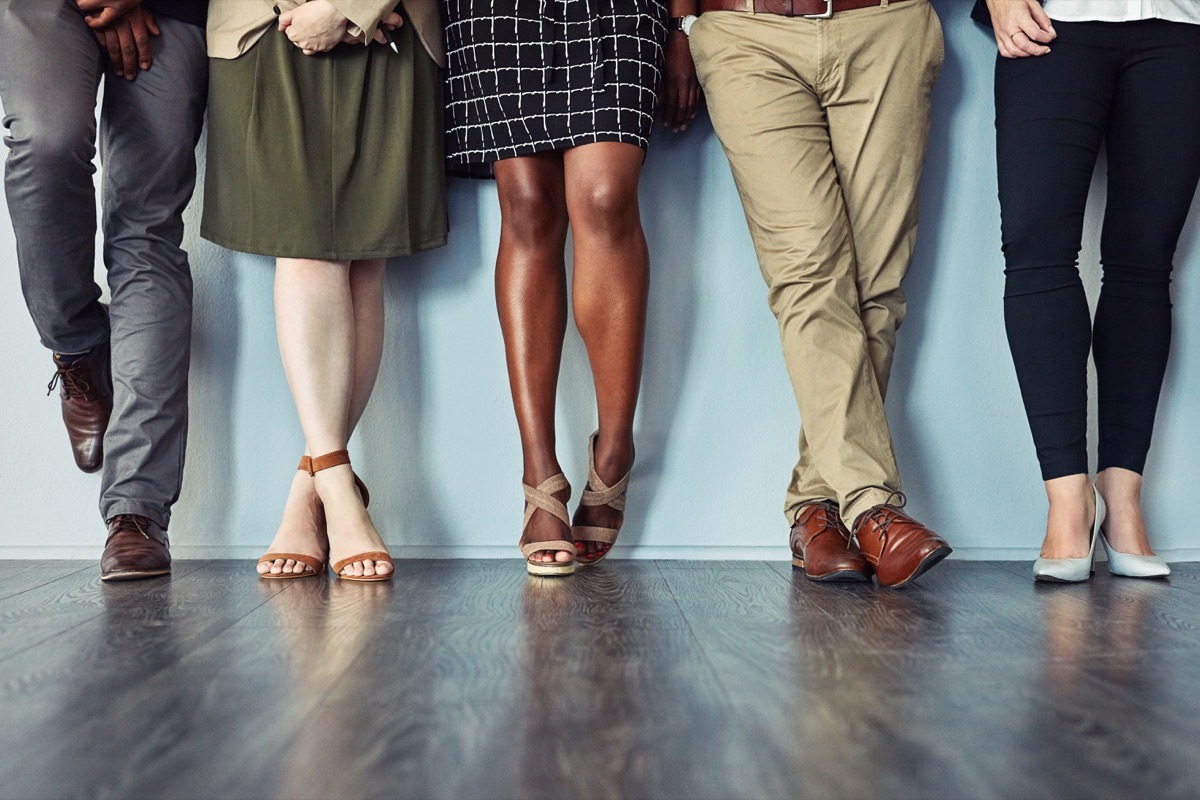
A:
x,y
1134,87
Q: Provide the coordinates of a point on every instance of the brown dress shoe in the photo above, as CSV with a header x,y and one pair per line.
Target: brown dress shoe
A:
x,y
85,387
821,545
136,548
896,545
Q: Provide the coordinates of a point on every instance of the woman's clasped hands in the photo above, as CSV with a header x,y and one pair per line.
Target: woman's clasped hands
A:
x,y
318,27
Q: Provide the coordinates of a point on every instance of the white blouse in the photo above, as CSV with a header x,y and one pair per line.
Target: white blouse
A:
x,y
1123,10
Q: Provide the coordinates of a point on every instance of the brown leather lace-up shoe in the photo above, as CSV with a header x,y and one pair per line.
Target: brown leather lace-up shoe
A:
x,y
85,387
896,545
136,548
821,545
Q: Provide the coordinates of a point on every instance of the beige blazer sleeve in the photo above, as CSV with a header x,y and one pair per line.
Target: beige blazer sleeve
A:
x,y
426,19
235,25
364,15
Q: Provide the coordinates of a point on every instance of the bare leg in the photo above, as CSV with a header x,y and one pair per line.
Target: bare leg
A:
x,y
609,293
531,295
1069,522
329,319
1124,526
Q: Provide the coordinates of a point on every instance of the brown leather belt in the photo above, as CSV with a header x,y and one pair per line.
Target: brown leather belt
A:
x,y
792,8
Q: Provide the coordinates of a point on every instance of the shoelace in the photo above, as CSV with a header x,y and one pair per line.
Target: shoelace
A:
x,y
827,521
73,384
881,518
127,521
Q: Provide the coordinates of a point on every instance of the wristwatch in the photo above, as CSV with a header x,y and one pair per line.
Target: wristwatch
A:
x,y
683,24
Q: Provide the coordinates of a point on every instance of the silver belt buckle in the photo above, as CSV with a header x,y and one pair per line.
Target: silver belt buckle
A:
x,y
826,14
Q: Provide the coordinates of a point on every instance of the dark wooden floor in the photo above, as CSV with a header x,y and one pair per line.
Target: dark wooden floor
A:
x,y
636,679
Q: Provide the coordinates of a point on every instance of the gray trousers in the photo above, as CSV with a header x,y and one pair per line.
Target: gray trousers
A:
x,y
50,69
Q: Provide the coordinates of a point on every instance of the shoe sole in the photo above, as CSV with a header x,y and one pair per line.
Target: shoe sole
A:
x,y
841,576
1053,579
591,563
290,576
927,563
134,575
550,570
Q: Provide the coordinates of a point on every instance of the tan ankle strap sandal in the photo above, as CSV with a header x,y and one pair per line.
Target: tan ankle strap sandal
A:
x,y
599,493
316,565
336,459
542,496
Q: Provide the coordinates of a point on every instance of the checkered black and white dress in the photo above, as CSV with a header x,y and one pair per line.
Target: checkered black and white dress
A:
x,y
529,76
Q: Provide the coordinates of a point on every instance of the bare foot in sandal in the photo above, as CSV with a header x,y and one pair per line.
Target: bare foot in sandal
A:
x,y
301,531
351,531
546,521
601,510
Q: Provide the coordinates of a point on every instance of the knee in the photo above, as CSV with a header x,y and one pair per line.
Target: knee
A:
x,y
53,147
1040,253
532,212
1148,282
606,208
884,313
1037,232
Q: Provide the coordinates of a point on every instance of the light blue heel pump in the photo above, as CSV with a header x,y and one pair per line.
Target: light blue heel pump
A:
x,y
1133,566
1072,570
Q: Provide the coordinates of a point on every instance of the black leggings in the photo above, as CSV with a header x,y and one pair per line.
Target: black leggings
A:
x,y
1134,87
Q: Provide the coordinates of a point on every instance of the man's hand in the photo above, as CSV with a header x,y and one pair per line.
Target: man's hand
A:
x,y
1022,28
102,13
127,42
681,89
314,27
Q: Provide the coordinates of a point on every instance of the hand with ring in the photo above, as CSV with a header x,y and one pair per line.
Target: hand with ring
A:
x,y
1022,28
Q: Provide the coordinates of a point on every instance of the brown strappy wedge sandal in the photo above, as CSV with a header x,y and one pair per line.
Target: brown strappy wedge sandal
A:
x,y
316,565
598,493
542,496
336,459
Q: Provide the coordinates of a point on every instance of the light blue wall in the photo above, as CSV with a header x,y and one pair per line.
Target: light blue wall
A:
x,y
717,432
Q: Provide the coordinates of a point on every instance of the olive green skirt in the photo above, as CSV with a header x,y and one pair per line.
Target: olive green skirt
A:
x,y
336,156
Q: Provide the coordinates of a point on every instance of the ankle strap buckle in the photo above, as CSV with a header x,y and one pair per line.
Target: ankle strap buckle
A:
x,y
826,14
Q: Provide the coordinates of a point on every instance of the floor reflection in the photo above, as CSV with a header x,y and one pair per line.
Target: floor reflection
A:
x,y
611,705
1110,620
1099,687
570,674
864,666
323,626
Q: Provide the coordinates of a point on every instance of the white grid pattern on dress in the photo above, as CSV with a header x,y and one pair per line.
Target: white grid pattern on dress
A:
x,y
528,76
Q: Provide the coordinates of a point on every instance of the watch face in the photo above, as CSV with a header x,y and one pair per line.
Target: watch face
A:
x,y
686,24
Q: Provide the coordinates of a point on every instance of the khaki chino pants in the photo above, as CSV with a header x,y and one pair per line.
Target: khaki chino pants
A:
x,y
825,124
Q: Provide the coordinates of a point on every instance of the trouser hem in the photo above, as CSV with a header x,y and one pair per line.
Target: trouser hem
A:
x,y
1131,464
158,514
865,501
793,509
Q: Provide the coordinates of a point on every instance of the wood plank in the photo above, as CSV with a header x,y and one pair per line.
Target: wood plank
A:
x,y
859,710
633,679
235,697
58,606
92,696
492,683
21,576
